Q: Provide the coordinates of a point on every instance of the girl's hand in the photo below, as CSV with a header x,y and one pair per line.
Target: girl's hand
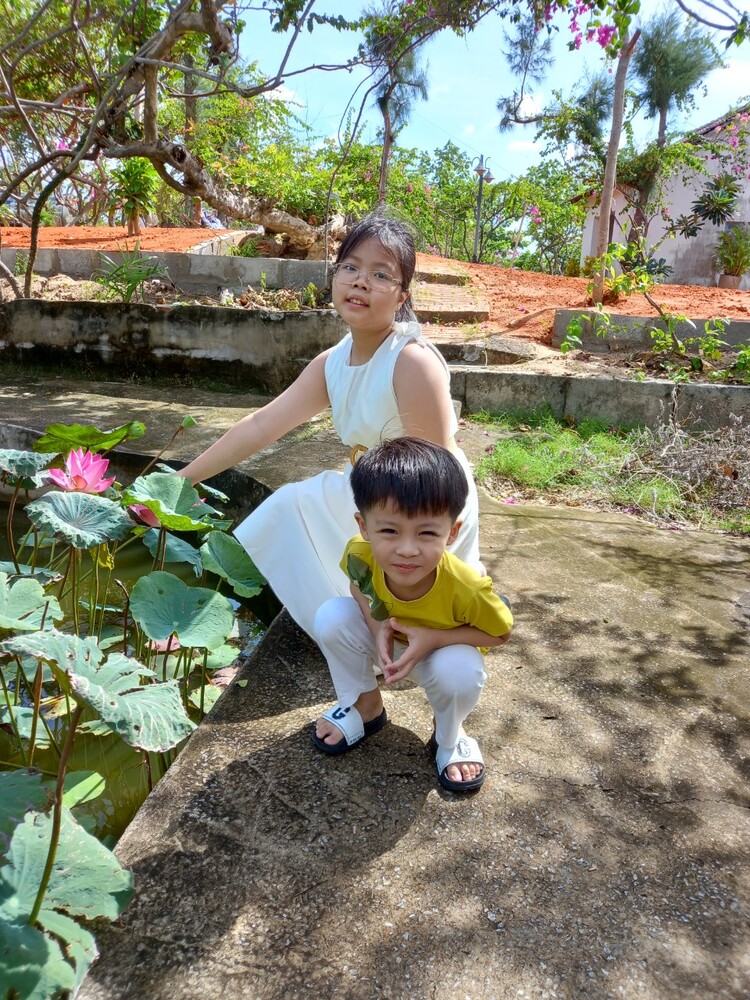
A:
x,y
420,642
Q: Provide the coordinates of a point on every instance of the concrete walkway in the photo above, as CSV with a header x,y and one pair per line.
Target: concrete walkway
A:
x,y
606,856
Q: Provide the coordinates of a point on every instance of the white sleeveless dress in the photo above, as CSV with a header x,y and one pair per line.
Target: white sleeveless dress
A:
x,y
296,537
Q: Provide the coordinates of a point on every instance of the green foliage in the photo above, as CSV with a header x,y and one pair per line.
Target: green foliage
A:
x,y
124,278
86,675
135,186
732,250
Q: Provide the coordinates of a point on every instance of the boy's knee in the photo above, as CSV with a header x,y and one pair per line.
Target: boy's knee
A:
x,y
459,669
331,616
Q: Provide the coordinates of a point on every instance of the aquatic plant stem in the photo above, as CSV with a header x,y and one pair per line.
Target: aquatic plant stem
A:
x,y
9,526
12,717
56,814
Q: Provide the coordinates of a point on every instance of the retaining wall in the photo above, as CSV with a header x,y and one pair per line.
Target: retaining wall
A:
x,y
203,269
631,333
246,347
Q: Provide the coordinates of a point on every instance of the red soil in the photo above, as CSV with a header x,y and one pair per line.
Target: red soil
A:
x,y
521,302
106,238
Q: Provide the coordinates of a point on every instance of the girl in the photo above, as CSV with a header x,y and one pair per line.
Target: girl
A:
x,y
383,380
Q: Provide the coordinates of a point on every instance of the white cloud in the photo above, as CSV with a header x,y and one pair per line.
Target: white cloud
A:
x,y
521,146
470,129
530,105
285,94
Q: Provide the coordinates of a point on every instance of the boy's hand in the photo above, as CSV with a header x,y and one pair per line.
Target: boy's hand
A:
x,y
384,645
419,643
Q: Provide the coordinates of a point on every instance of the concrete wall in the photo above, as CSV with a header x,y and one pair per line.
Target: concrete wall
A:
x,y
631,333
698,406
691,258
247,347
197,271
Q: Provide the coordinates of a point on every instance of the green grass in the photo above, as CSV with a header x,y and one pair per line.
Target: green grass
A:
x,y
541,459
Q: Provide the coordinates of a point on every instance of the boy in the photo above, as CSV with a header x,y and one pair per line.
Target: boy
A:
x,y
414,608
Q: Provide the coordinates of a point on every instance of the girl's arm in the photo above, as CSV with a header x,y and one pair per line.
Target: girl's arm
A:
x,y
423,395
305,398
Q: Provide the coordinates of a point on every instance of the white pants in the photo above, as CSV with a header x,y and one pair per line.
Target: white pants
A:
x,y
452,677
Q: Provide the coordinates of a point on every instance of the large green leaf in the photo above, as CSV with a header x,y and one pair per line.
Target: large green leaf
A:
x,y
23,716
23,604
149,717
24,464
40,574
174,501
222,554
86,881
81,519
82,786
20,791
64,652
31,964
62,438
177,550
163,605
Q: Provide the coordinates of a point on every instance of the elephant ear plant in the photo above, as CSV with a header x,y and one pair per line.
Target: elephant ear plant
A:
x,y
100,679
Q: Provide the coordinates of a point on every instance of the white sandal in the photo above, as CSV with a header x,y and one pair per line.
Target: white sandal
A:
x,y
466,751
349,721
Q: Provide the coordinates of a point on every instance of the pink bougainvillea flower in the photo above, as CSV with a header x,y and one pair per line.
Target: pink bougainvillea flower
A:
x,y
144,514
83,473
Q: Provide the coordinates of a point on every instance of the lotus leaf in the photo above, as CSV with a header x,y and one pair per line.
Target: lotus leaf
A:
x,y
81,519
24,464
82,786
174,501
62,438
222,554
148,717
23,605
163,605
177,550
38,573
64,652
31,964
20,791
24,719
221,657
87,881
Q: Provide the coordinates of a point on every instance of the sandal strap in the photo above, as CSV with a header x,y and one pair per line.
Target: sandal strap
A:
x,y
466,751
349,721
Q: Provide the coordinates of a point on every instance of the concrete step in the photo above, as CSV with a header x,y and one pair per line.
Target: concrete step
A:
x,y
441,271
441,303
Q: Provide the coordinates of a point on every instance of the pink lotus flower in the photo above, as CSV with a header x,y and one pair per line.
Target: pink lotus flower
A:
x,y
145,514
83,473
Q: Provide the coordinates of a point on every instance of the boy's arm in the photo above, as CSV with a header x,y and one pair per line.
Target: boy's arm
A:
x,y
422,641
382,632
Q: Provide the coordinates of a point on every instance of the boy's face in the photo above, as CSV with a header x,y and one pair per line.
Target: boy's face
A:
x,y
406,548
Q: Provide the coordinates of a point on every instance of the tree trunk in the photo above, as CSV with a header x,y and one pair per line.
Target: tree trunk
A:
x,y
610,170
387,143
192,205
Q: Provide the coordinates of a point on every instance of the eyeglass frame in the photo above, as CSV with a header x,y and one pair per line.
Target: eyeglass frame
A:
x,y
367,275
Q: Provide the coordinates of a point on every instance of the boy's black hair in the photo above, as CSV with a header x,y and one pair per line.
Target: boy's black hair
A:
x,y
419,477
397,242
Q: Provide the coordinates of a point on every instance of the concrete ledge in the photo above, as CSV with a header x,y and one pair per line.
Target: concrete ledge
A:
x,y
202,269
246,347
617,401
631,333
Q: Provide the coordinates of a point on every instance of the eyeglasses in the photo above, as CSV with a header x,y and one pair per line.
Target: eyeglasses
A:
x,y
380,281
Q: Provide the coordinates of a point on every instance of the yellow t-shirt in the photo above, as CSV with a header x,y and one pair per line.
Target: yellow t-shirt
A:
x,y
459,595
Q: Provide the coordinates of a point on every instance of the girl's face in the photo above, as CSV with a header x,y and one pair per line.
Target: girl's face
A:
x,y
366,288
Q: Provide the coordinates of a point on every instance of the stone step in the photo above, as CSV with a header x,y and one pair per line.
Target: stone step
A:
x,y
441,271
441,303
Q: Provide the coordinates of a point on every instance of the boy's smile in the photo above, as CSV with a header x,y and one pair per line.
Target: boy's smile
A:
x,y
407,548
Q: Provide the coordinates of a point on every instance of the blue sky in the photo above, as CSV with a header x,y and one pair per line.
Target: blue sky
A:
x,y
466,77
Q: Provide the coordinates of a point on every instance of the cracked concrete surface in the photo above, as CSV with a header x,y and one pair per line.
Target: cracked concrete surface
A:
x,y
605,857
